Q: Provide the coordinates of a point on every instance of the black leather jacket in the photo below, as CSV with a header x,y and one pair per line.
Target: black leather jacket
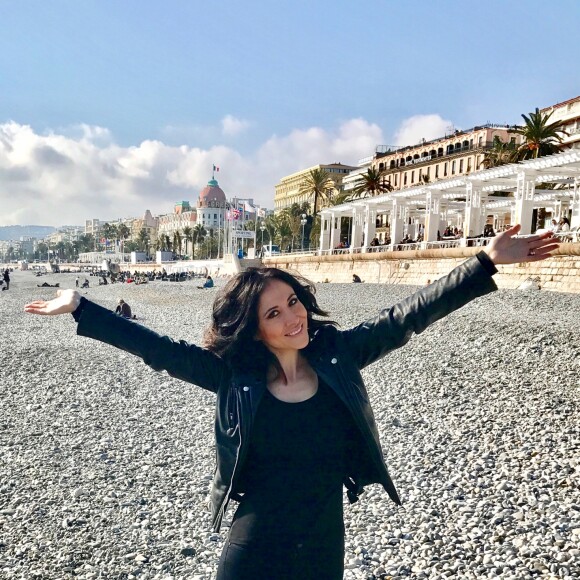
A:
x,y
337,356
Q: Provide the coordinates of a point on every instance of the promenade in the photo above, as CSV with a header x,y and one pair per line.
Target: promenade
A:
x,y
105,465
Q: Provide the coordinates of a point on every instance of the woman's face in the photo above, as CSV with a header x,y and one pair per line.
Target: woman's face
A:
x,y
282,318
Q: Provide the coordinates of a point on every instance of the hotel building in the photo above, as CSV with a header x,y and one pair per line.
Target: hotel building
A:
x,y
287,192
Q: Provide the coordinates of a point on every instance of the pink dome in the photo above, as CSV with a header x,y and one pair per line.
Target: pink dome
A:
x,y
212,192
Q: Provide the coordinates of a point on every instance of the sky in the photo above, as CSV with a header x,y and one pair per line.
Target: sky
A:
x,y
109,108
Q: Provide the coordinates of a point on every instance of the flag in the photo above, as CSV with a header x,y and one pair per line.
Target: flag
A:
x,y
215,168
235,214
261,212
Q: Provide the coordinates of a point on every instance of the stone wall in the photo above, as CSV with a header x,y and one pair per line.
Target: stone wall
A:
x,y
560,273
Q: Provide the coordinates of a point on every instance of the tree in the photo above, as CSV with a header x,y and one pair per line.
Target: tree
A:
x,y
124,234
499,153
318,185
177,242
109,232
371,183
187,237
86,243
42,250
540,136
143,239
199,232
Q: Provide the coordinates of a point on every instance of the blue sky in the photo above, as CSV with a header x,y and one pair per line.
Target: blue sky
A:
x,y
113,107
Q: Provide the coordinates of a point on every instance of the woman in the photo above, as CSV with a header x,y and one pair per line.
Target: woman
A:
x,y
293,420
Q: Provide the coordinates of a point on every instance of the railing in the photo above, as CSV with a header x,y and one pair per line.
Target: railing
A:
x,y
412,246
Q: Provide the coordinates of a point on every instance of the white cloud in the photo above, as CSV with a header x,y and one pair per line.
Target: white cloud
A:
x,y
231,126
418,127
70,176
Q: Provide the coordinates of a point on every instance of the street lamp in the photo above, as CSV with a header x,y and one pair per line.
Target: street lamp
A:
x,y
262,228
303,221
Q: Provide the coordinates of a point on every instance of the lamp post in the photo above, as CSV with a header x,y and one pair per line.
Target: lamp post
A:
x,y
262,228
303,221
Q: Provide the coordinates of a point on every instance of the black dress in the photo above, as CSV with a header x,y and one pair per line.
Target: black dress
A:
x,y
289,524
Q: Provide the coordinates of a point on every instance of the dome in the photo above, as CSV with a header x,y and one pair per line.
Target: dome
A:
x,y
212,192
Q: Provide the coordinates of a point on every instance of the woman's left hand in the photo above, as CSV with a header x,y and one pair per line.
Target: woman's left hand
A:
x,y
507,249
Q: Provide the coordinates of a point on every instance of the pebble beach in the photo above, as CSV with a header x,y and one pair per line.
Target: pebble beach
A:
x,y
105,464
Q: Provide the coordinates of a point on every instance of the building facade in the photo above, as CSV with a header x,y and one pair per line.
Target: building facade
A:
x,y
211,206
183,216
454,155
568,113
287,192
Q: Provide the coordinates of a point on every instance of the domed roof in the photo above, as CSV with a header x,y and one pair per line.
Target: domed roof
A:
x,y
212,192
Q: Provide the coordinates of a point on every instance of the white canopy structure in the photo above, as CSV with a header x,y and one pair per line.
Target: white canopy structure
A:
x,y
465,201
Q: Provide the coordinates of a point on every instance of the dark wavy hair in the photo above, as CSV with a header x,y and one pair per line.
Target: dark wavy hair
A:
x,y
235,316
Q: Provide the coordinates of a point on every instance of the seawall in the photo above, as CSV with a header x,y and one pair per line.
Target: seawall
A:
x,y
559,273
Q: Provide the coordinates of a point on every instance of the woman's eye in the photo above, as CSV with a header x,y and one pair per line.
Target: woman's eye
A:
x,y
273,314
293,301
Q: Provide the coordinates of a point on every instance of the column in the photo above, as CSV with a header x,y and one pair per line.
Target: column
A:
x,y
370,227
334,231
431,216
472,222
324,231
522,213
397,221
356,235
575,205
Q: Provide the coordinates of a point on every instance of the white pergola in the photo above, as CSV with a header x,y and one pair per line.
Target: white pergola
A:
x,y
467,200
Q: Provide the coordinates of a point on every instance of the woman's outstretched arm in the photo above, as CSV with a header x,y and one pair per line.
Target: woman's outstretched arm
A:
x,y
394,326
180,359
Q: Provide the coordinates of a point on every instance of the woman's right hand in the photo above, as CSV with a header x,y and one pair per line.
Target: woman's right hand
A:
x,y
66,302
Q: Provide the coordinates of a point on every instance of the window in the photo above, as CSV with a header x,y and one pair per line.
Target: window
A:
x,y
436,171
215,216
460,166
396,179
420,174
428,172
453,168
405,180
445,169
412,176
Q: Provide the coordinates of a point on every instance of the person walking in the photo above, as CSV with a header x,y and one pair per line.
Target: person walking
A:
x,y
294,426
6,278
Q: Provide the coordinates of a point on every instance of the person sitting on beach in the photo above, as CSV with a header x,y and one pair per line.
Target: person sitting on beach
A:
x,y
124,310
356,279
207,284
293,422
85,283
47,285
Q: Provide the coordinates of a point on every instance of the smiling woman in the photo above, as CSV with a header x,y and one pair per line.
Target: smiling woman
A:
x,y
293,420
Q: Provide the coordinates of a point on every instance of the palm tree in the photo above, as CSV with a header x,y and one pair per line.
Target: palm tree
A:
x,y
186,233
199,232
86,243
109,232
317,184
371,183
124,233
540,137
143,239
177,242
499,153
